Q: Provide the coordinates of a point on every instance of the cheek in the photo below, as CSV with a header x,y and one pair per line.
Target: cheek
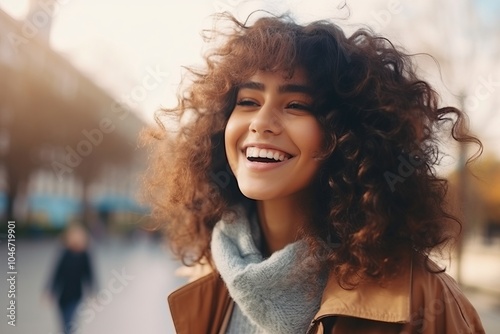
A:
x,y
310,137
231,136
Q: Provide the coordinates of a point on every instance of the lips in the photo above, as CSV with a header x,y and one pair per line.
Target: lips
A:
x,y
266,155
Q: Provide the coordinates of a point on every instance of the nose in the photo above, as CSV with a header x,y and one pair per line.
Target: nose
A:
x,y
266,120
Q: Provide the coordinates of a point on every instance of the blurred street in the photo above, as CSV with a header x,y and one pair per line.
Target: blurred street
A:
x,y
145,271
133,278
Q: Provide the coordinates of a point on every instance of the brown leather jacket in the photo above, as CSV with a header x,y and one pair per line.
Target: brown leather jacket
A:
x,y
416,301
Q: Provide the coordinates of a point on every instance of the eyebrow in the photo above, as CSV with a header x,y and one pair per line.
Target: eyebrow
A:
x,y
288,88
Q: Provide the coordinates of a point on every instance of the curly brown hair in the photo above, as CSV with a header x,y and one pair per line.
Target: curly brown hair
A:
x,y
378,187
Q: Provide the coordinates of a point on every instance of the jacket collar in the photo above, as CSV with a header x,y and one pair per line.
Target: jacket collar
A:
x,y
366,299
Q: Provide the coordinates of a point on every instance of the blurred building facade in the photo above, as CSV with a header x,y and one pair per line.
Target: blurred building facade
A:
x,y
68,150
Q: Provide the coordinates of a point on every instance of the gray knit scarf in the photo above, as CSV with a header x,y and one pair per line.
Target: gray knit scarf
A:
x,y
279,294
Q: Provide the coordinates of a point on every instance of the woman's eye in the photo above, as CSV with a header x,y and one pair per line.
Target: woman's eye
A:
x,y
299,106
246,103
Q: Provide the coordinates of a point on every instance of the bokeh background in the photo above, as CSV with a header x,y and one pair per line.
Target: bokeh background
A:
x,y
79,79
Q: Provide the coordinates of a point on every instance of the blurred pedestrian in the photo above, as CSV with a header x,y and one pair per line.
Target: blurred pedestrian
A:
x,y
304,174
72,275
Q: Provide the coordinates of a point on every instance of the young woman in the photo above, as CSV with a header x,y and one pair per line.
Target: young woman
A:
x,y
303,173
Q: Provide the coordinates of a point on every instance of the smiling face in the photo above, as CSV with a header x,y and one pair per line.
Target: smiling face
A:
x,y
272,137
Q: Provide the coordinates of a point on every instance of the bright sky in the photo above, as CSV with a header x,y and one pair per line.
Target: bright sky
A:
x,y
117,42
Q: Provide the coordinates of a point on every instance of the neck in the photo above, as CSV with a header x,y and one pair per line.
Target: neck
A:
x,y
281,220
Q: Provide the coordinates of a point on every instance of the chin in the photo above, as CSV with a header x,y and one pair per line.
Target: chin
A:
x,y
256,194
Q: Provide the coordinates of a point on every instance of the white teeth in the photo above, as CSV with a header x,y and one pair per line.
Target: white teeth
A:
x,y
255,152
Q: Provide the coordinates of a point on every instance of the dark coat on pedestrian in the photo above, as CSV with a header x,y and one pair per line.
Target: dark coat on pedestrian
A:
x,y
72,274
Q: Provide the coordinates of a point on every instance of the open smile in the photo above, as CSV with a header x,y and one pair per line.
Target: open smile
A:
x,y
265,154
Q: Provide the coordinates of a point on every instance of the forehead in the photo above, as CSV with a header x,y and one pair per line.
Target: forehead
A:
x,y
277,78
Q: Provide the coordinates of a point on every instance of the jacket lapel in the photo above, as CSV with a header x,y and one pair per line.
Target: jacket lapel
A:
x,y
200,306
387,302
